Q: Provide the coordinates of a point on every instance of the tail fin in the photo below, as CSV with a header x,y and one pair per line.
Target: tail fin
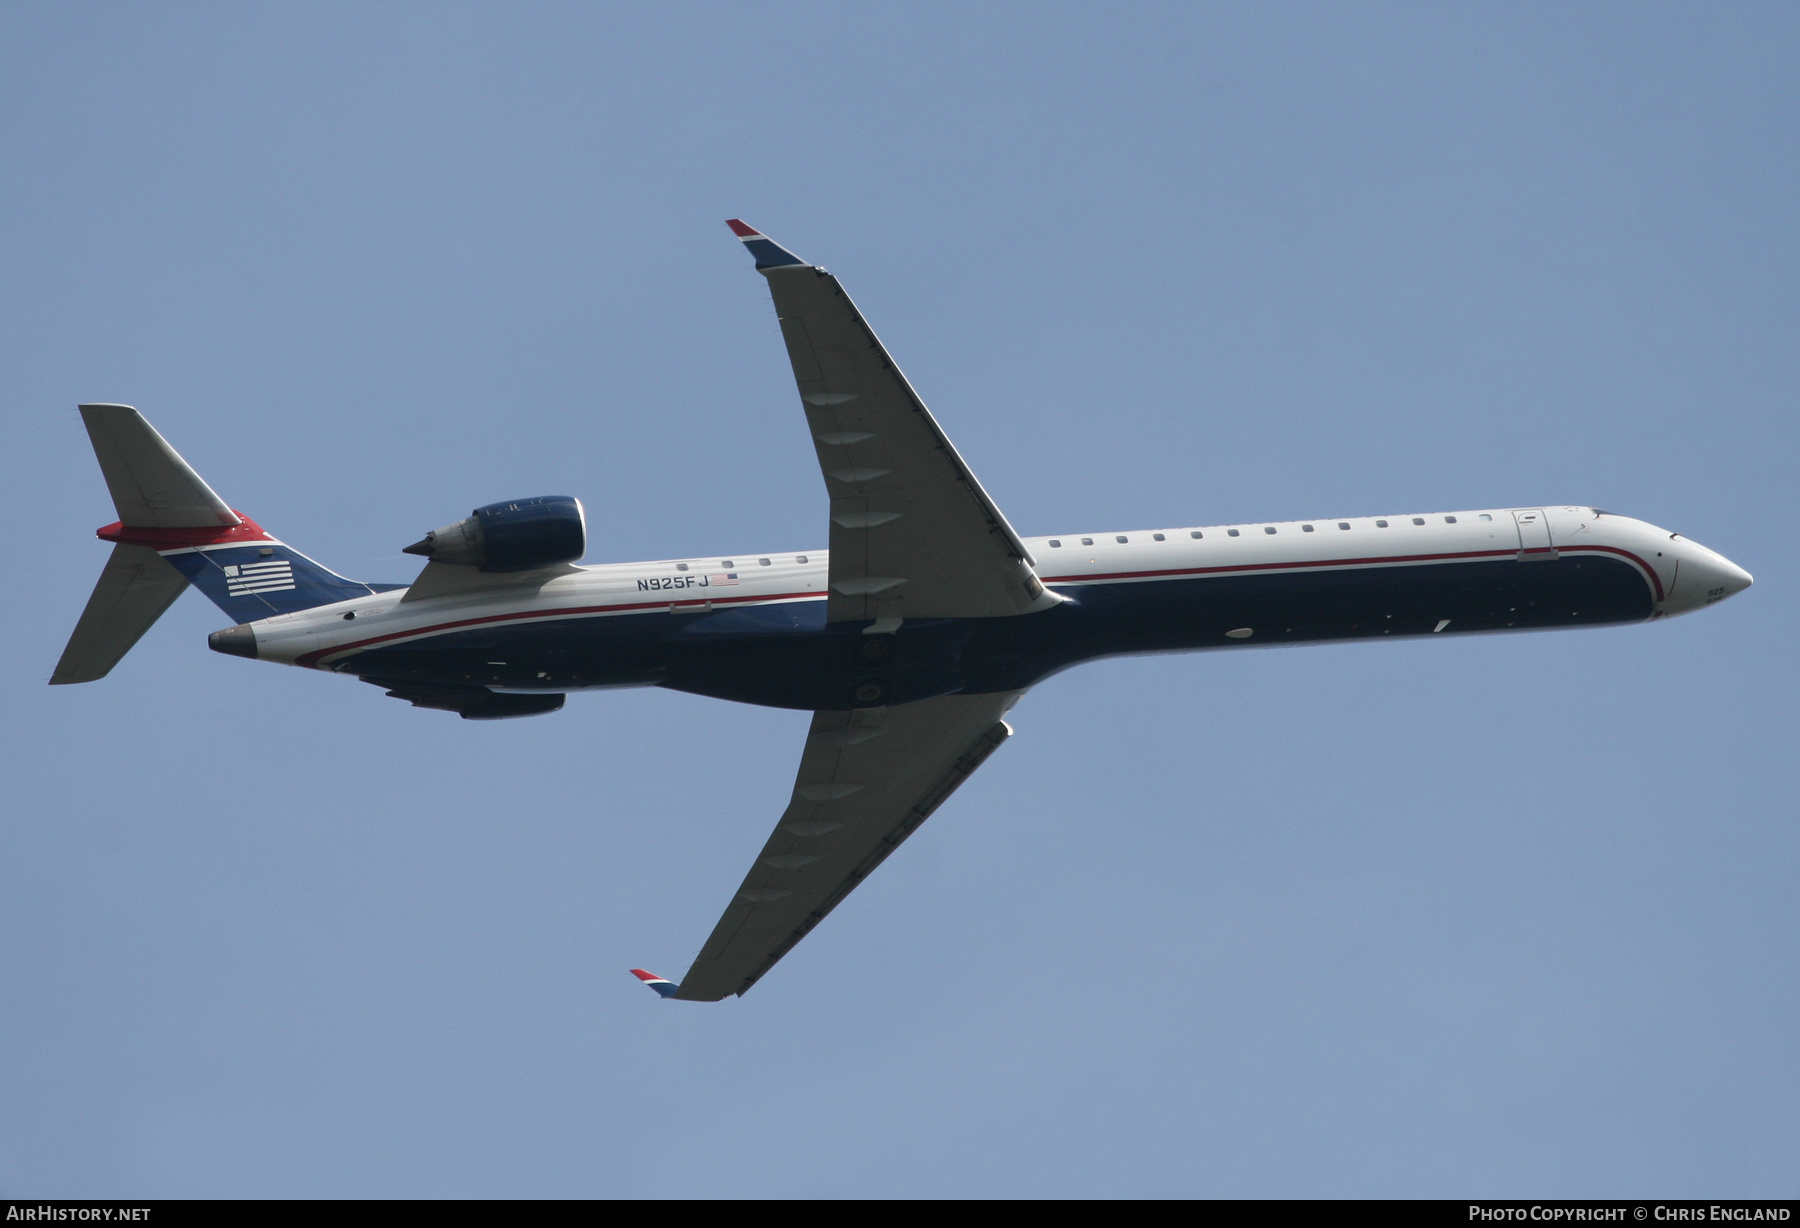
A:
x,y
172,531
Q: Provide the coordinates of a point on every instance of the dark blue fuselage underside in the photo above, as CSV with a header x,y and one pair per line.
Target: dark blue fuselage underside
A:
x,y
785,656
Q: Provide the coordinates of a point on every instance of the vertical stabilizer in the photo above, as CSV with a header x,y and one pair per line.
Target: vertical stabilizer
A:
x,y
173,530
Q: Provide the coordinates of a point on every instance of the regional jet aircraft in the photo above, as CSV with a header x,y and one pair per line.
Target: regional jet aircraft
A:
x,y
908,640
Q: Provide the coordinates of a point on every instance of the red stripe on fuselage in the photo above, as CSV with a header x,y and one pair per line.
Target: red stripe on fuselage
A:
x,y
311,658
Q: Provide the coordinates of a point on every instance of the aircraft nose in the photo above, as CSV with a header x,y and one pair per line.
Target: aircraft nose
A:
x,y
1724,578
1707,578
1737,578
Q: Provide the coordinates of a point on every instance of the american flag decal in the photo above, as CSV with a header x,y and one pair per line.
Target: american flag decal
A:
x,y
729,577
268,576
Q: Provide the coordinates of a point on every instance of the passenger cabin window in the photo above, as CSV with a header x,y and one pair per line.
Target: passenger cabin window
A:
x,y
763,562
1054,544
1087,541
1418,520
1381,524
1343,524
1196,535
726,563
1121,540
1231,532
1157,537
1268,528
1485,516
1306,528
799,558
681,567
1449,520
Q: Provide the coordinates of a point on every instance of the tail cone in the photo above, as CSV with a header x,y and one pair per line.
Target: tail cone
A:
x,y
238,641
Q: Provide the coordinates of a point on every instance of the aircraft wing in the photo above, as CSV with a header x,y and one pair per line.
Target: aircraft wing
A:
x,y
913,534
868,778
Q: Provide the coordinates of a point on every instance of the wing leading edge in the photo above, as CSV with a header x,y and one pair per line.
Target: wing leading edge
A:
x,y
913,534
868,778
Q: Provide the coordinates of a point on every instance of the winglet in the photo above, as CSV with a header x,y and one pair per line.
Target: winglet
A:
x,y
769,254
664,988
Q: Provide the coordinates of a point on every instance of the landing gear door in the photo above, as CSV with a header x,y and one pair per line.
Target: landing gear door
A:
x,y
1534,535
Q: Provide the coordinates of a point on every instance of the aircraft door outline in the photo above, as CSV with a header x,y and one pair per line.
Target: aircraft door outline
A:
x,y
1534,535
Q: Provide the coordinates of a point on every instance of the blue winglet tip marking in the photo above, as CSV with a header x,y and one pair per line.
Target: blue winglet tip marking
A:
x,y
769,254
664,987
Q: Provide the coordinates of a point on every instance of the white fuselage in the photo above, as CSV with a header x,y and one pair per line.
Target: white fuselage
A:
x,y
1682,574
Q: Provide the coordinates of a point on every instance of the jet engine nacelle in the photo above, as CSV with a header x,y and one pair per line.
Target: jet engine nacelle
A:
x,y
517,535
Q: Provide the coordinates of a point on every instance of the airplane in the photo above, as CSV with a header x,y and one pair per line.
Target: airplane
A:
x,y
909,639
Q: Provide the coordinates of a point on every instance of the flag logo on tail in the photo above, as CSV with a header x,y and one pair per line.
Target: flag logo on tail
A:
x,y
272,576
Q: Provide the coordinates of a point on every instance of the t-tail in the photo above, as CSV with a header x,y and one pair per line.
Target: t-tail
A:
x,y
174,531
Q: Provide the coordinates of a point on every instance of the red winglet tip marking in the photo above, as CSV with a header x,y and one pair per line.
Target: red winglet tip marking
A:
x,y
641,975
740,230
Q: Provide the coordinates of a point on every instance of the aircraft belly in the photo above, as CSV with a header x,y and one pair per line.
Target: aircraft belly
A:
x,y
785,656
561,654
1363,603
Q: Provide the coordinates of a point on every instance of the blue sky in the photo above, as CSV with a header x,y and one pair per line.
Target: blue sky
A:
x,y
1500,916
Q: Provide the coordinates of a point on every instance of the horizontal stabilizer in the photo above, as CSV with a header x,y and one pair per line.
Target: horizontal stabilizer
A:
x,y
665,988
152,487
136,586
